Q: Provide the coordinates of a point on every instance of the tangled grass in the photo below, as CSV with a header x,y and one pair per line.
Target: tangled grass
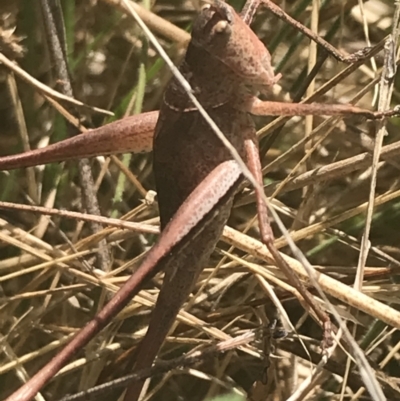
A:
x,y
55,273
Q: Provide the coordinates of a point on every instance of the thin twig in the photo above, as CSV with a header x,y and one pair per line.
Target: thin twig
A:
x,y
57,48
45,90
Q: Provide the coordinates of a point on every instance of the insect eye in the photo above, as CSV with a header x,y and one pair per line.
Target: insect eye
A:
x,y
205,7
221,26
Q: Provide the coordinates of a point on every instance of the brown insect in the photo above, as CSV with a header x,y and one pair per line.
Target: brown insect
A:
x,y
196,175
